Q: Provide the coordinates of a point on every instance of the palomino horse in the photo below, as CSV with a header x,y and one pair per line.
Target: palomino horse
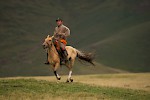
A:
x,y
54,58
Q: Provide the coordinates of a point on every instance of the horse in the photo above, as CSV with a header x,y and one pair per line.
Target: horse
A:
x,y
54,58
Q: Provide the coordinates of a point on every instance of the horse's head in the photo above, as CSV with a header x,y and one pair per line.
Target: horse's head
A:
x,y
48,42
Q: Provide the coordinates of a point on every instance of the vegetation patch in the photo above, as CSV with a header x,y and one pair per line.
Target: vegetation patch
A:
x,y
16,89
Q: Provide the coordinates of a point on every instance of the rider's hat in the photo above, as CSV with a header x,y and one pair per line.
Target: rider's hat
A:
x,y
59,19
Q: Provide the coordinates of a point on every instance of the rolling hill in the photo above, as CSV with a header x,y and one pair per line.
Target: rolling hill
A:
x,y
118,31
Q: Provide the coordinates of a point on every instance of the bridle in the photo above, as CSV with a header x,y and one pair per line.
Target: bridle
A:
x,y
50,45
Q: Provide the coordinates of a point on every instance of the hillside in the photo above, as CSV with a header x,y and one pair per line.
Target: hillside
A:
x,y
118,31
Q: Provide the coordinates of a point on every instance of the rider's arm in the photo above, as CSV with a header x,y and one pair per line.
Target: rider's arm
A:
x,y
67,32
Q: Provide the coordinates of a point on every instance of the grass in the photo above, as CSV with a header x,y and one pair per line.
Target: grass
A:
x,y
31,89
96,87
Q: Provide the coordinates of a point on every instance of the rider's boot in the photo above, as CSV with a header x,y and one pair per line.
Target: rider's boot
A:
x,y
65,54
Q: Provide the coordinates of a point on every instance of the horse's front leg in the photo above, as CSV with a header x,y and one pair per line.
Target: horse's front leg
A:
x,y
57,76
56,66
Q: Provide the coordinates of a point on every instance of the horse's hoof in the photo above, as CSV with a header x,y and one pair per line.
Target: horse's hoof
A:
x,y
67,81
71,80
59,78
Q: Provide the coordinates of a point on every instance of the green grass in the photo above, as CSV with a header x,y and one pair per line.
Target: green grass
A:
x,y
31,89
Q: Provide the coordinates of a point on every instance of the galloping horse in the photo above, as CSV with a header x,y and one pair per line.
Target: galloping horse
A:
x,y
54,58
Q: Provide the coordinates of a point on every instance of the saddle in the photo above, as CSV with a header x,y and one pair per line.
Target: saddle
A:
x,y
58,48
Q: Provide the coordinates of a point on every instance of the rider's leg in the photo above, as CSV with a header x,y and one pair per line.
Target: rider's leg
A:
x,y
47,62
65,54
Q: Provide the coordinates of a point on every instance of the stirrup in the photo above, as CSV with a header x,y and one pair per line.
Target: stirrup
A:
x,y
63,61
47,63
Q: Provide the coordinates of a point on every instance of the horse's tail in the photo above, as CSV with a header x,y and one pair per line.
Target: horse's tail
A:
x,y
85,56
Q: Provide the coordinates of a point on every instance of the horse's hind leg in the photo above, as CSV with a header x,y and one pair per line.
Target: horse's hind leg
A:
x,y
69,77
70,71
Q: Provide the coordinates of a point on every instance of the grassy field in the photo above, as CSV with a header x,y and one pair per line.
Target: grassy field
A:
x,y
84,87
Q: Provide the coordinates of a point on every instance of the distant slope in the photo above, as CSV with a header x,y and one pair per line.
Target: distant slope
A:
x,y
127,49
117,30
119,34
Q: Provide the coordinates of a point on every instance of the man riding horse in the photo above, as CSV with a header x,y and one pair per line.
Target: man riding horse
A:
x,y
61,33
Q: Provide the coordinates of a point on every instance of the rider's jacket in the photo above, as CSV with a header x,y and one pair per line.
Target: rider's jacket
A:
x,y
61,32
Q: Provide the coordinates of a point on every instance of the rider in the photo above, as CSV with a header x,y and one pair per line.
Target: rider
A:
x,y
61,33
